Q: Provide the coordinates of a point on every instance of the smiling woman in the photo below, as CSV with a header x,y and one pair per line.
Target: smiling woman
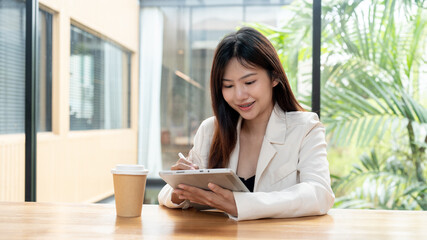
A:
x,y
247,88
260,131
251,95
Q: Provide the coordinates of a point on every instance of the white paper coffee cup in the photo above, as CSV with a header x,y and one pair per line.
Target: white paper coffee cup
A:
x,y
129,189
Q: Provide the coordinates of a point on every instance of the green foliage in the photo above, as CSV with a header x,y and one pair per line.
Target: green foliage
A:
x,y
372,52
382,182
293,43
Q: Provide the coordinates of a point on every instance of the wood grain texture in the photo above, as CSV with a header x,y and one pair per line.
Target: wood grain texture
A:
x,y
99,221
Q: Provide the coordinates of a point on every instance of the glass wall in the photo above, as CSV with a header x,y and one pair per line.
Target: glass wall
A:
x,y
12,68
373,95
84,72
44,66
373,86
374,102
99,83
191,33
12,92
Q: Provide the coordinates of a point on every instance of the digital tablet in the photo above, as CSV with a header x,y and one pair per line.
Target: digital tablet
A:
x,y
223,177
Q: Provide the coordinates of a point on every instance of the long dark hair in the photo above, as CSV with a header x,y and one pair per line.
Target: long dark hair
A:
x,y
251,49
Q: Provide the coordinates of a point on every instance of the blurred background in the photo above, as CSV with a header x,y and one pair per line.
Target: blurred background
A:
x,y
128,82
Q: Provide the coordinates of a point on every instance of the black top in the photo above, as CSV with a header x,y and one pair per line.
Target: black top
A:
x,y
249,183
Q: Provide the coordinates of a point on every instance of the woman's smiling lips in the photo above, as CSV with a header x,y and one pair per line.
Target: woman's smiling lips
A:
x,y
246,106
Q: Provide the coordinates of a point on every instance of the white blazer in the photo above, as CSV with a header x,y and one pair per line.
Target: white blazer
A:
x,y
292,174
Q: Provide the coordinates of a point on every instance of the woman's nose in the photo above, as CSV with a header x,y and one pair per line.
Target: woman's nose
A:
x,y
241,93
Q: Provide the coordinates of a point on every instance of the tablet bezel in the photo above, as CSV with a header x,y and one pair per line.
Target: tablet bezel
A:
x,y
218,176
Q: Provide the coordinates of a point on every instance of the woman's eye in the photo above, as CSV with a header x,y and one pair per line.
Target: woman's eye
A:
x,y
250,82
229,86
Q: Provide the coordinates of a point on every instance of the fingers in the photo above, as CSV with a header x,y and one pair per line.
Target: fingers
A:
x,y
195,195
217,189
219,198
183,164
225,194
228,203
189,190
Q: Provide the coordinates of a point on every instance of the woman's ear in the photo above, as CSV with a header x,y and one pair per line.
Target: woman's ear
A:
x,y
275,82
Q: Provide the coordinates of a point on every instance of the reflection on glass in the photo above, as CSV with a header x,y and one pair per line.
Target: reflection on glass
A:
x,y
12,69
190,38
44,66
373,102
99,83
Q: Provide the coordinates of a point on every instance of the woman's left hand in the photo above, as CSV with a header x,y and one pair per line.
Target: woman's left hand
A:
x,y
219,198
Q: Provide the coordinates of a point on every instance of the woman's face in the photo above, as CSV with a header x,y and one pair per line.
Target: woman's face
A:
x,y
249,91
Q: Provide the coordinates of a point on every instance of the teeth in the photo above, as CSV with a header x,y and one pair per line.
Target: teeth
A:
x,y
247,105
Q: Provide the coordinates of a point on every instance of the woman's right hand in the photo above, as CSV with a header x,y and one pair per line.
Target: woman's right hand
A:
x,y
182,164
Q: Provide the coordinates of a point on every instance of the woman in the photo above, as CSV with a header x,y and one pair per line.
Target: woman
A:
x,y
261,132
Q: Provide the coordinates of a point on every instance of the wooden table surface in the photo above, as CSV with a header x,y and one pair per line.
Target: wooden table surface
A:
x,y
99,221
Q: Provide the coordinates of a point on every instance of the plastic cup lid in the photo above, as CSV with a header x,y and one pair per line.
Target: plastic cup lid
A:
x,y
129,169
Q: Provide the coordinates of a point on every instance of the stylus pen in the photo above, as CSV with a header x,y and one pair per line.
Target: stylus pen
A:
x,y
180,155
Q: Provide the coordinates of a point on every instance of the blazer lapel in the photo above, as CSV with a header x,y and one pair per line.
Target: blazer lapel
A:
x,y
234,156
266,154
274,134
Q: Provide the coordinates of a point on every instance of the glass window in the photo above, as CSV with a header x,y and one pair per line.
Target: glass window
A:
x,y
374,102
99,83
44,66
12,68
188,49
191,34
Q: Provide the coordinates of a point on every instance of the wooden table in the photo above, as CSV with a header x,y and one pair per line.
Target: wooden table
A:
x,y
99,221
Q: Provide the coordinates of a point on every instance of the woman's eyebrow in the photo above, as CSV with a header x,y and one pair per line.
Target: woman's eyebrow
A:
x,y
246,76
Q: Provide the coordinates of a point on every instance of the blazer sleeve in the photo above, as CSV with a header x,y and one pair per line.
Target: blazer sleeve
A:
x,y
198,155
311,196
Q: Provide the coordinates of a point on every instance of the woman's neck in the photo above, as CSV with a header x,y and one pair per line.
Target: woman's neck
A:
x,y
257,126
